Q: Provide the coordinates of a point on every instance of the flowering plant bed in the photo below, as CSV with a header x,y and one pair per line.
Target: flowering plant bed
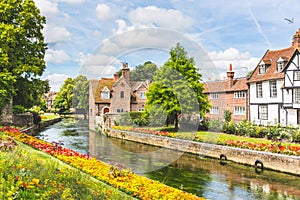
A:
x,y
130,183
225,139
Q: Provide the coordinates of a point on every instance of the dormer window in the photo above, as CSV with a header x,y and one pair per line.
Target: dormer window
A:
x,y
105,93
262,69
280,64
263,66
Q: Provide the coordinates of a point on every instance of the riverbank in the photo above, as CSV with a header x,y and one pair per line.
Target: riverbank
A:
x,y
41,125
126,181
258,159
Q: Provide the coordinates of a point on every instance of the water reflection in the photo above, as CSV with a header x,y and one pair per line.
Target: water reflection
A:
x,y
202,176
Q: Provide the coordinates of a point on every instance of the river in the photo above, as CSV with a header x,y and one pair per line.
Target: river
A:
x,y
200,175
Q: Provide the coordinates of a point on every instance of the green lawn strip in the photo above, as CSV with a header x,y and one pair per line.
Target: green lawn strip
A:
x,y
211,137
49,166
47,117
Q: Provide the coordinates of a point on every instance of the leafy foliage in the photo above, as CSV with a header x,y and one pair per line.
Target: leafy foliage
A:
x,y
22,51
177,86
73,93
143,72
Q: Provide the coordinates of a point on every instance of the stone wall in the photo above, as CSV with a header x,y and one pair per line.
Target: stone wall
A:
x,y
25,119
278,162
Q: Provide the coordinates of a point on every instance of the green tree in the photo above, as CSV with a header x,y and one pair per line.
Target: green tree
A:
x,y
6,88
177,87
143,72
22,47
64,98
80,99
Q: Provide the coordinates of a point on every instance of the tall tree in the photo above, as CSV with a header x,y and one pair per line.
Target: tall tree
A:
x,y
177,87
64,98
22,47
143,72
80,99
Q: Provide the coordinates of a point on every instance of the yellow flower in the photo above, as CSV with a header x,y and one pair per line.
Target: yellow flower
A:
x,y
35,181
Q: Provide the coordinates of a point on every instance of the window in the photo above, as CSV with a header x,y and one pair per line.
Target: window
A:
x,y
297,95
297,75
119,110
105,95
122,94
239,110
214,95
240,94
280,66
214,110
259,92
263,112
142,95
273,89
262,69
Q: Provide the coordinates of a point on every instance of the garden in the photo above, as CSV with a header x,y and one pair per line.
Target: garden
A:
x,y
44,179
244,134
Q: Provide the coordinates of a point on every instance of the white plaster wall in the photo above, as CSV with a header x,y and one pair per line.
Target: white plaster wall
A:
x,y
266,93
292,117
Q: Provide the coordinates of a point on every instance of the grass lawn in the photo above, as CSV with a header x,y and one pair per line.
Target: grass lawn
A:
x,y
26,173
49,116
212,137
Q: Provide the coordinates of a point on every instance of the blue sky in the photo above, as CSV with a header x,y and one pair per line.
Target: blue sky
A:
x,y
93,37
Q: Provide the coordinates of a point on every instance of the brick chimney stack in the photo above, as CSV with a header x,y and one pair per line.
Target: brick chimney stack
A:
x,y
126,72
230,75
116,76
296,39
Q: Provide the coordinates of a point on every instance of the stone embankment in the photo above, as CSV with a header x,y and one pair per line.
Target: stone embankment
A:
x,y
258,159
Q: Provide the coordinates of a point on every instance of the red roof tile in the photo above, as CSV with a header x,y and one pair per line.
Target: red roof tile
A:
x,y
271,58
239,84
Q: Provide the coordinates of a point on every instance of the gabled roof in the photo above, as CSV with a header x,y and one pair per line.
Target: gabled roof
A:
x,y
271,57
239,84
99,85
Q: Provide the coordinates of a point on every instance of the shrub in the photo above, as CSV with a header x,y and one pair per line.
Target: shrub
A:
x,y
215,125
229,127
18,109
227,115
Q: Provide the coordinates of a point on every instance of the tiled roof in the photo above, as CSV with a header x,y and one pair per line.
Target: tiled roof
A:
x,y
223,86
271,58
98,85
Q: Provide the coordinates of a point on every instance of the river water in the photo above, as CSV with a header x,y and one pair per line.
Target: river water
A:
x,y
197,174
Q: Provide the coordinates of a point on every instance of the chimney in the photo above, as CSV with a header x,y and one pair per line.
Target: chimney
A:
x,y
230,75
126,72
116,76
296,39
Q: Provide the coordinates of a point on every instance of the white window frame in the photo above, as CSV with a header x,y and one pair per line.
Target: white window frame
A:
x,y
273,89
239,110
214,110
280,66
262,69
214,96
297,95
105,93
239,94
259,90
296,75
263,112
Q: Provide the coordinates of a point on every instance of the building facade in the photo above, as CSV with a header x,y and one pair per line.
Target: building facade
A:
x,y
116,95
274,87
230,94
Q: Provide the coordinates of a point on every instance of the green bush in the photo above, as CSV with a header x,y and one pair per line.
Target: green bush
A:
x,y
229,127
18,109
215,125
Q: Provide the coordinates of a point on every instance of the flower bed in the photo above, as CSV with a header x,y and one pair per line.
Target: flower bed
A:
x,y
274,147
135,185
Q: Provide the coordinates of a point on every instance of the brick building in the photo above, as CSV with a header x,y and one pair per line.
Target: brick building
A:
x,y
116,95
230,94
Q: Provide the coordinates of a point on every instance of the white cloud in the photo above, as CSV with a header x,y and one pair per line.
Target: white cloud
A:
x,y
56,34
56,56
47,7
97,65
152,16
104,12
56,81
242,62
